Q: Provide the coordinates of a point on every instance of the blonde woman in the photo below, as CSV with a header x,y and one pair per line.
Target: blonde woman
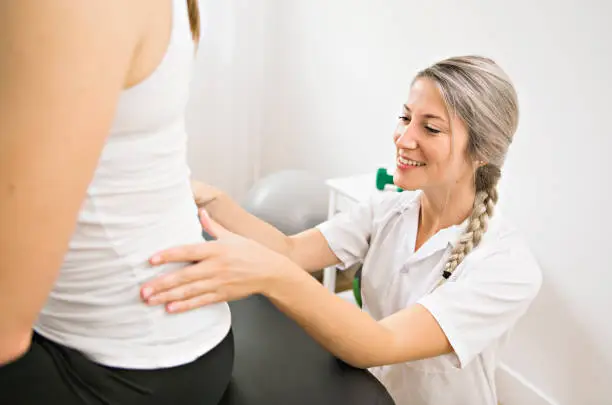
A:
x,y
445,277
93,180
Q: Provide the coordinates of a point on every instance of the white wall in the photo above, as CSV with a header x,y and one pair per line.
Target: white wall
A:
x,y
337,74
225,112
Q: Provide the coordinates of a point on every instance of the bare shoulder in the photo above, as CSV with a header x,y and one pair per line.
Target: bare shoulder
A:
x,y
105,32
66,18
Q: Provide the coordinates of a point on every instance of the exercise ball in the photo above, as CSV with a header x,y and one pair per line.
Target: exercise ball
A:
x,y
290,200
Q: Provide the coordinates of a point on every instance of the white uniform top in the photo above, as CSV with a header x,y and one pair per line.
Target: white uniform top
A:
x,y
476,308
138,203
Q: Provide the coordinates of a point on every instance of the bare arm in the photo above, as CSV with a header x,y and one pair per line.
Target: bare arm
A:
x,y
351,334
234,267
62,66
309,249
464,316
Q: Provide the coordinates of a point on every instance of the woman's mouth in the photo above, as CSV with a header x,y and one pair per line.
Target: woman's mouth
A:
x,y
404,163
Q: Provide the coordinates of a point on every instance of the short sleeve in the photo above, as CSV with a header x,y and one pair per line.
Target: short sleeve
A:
x,y
481,306
348,233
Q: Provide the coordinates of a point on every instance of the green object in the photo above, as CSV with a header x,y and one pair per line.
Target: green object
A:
x,y
383,178
357,291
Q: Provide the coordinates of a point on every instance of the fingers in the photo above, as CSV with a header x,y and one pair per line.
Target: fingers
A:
x,y
183,292
172,280
195,302
211,226
187,253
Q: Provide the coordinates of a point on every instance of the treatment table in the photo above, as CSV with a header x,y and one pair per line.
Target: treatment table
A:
x,y
277,363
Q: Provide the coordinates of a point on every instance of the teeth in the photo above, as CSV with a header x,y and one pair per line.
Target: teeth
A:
x,y
409,162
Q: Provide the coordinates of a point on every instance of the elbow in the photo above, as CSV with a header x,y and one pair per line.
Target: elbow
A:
x,y
370,355
359,364
13,346
362,361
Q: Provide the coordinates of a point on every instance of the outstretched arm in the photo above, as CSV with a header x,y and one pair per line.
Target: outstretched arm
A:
x,y
464,316
353,335
308,249
234,267
62,66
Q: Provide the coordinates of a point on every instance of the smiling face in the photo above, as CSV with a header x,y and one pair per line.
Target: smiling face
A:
x,y
428,156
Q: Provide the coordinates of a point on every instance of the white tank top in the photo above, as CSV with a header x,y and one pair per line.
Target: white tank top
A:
x,y
138,203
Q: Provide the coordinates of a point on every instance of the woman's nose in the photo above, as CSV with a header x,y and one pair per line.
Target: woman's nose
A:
x,y
405,137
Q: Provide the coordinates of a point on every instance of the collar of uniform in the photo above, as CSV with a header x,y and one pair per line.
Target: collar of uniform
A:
x,y
441,240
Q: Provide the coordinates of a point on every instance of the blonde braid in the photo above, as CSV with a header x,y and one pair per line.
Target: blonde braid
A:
x,y
486,181
476,90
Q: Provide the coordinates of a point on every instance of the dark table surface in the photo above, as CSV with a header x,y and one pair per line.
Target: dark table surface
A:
x,y
276,362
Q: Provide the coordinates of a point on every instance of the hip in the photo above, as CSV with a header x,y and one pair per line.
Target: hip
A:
x,y
138,338
51,370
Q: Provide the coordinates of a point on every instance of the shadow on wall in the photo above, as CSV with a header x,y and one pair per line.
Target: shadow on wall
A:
x,y
566,352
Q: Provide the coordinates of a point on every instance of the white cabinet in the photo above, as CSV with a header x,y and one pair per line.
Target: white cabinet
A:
x,y
344,192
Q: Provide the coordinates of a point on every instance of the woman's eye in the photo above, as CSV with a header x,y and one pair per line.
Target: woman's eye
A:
x,y
432,130
404,118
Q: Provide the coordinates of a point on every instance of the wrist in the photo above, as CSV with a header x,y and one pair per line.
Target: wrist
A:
x,y
282,277
206,201
204,194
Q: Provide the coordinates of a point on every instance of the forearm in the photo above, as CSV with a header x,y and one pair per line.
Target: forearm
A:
x,y
236,219
339,326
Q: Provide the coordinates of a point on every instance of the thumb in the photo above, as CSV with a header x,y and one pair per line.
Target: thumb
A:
x,y
211,226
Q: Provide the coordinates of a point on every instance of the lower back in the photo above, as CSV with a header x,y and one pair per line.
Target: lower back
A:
x,y
139,203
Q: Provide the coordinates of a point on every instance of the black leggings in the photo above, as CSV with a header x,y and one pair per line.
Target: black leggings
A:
x,y
50,373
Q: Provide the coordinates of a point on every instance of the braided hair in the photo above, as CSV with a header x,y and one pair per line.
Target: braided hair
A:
x,y
479,92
